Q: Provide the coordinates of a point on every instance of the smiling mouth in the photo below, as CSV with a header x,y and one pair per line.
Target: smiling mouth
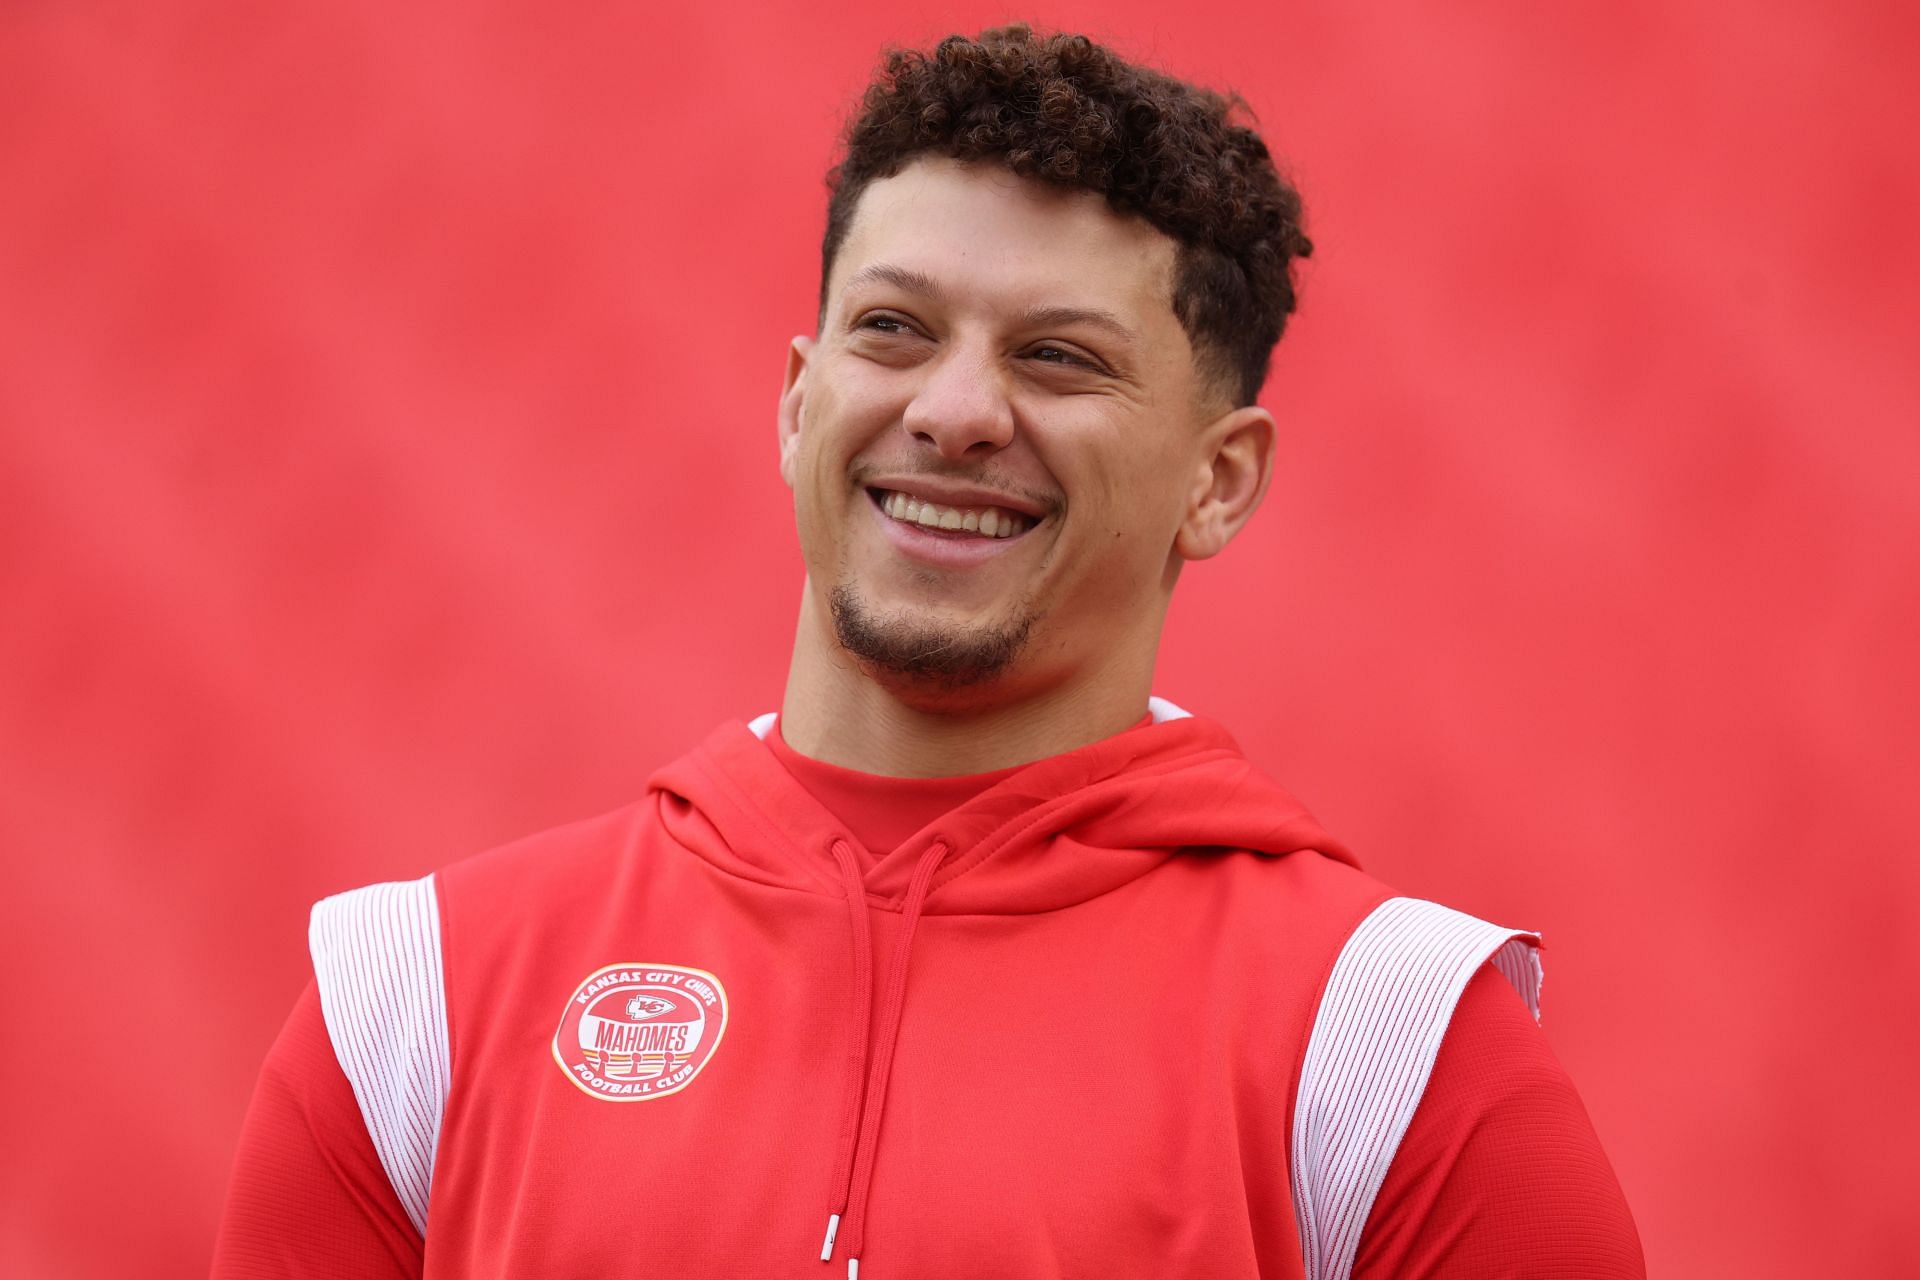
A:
x,y
978,522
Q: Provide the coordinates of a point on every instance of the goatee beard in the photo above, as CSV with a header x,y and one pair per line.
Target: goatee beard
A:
x,y
932,656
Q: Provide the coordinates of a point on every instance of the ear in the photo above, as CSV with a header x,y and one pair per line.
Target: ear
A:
x,y
793,393
1230,484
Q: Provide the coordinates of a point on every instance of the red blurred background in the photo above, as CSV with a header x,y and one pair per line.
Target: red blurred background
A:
x,y
386,471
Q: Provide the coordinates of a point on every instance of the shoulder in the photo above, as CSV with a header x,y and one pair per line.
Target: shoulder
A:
x,y
1408,954
391,936
380,966
1381,1018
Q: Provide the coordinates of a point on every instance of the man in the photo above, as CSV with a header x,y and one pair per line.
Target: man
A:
x,y
975,959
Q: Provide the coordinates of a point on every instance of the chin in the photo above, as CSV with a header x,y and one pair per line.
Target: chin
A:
x,y
928,649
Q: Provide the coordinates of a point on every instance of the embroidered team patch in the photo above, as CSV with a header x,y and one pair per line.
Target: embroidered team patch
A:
x,y
634,1032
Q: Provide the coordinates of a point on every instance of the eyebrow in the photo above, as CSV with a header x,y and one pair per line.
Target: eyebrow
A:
x,y
919,282
905,278
1050,317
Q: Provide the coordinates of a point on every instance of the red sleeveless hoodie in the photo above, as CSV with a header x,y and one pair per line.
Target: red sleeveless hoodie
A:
x,y
1128,1012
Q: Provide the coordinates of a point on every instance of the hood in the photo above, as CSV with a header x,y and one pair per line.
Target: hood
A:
x,y
1057,832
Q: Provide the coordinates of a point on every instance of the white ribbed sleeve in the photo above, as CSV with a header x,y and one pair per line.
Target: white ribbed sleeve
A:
x,y
376,958
1375,1038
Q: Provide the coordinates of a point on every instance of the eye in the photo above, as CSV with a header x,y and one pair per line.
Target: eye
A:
x,y
1068,357
883,322
889,338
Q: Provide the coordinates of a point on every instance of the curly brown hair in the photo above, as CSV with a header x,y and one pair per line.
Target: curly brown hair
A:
x,y
1064,110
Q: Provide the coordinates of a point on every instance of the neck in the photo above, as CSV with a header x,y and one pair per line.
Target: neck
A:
x,y
836,712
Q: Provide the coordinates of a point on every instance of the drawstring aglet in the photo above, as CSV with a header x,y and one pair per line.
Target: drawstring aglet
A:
x,y
853,1269
833,1229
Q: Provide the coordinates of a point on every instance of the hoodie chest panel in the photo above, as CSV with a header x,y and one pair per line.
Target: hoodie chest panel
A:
x,y
1095,1091
536,1176
1098,1092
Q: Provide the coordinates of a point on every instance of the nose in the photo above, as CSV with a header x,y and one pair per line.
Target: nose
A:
x,y
962,408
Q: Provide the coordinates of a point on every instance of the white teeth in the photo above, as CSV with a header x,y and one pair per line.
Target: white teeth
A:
x,y
992,522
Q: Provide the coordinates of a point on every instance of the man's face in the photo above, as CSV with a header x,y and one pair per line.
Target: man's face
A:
x,y
996,437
